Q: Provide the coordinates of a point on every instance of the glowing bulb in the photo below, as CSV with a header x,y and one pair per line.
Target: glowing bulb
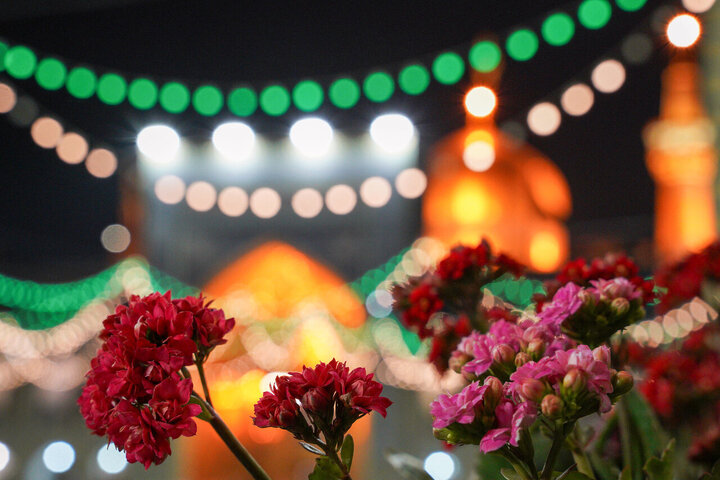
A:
x,y
115,238
608,76
201,196
479,156
111,460
265,202
375,192
58,457
101,163
392,132
307,203
683,30
312,136
340,199
411,183
480,101
577,100
544,119
440,465
4,456
159,143
234,140
170,189
233,201
72,148
46,132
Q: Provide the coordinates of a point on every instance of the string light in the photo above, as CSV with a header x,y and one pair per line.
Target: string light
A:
x,y
265,202
72,148
608,76
411,183
340,199
46,132
208,100
7,98
480,101
375,192
160,143
115,238
101,163
683,30
312,136
392,132
170,189
577,100
479,155
233,201
201,196
307,202
698,6
234,140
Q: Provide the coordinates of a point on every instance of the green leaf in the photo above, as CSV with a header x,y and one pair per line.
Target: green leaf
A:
x,y
409,467
573,476
311,448
205,413
646,423
626,474
347,450
325,469
510,474
662,468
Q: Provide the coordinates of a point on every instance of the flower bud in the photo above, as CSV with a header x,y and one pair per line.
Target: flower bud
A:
x,y
521,359
314,400
536,348
532,389
574,381
622,382
620,305
587,297
285,418
503,354
495,388
602,354
551,406
457,360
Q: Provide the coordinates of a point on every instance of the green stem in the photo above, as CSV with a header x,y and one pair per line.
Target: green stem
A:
x,y
332,455
557,443
578,452
206,390
517,464
626,435
237,448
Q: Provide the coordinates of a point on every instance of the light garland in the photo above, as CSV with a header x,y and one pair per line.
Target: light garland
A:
x,y
446,68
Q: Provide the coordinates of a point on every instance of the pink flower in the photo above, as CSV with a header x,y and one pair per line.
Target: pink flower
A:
x,y
458,408
618,287
565,303
512,420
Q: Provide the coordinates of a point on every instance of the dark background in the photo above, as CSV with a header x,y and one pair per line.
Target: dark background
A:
x,y
52,213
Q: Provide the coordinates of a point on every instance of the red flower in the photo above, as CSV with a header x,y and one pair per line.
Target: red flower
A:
x,y
461,259
210,324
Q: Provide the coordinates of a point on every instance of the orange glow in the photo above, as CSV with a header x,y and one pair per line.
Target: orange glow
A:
x,y
240,394
316,341
545,253
548,187
480,102
8,99
471,204
479,135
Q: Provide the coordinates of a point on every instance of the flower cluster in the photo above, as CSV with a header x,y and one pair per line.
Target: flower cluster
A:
x,y
320,404
135,393
582,273
505,347
697,275
592,314
443,305
683,386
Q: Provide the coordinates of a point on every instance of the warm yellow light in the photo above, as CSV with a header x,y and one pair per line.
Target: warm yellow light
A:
x,y
544,252
683,30
317,342
480,101
479,156
470,204
240,394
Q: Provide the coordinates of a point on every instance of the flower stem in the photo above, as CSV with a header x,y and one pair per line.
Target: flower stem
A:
x,y
206,390
578,452
557,443
517,464
332,454
237,448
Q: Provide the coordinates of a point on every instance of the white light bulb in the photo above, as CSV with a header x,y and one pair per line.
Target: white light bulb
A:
x,y
312,136
234,140
392,132
160,143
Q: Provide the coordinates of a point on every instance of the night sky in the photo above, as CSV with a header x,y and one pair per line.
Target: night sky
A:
x,y
52,213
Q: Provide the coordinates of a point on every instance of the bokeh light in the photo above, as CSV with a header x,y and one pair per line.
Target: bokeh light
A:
x,y
308,96
111,460
307,202
698,6
544,119
636,48
7,98
242,101
378,87
608,76
81,82
392,132
480,101
265,202
170,189
24,111
379,303
234,140
577,100
174,97
20,62
4,456
208,100
411,183
46,132
112,89
485,56
414,79
143,93
233,201
72,148
558,29
594,14
479,155
683,30
51,74
448,68
58,457
101,163
522,45
440,465
274,100
375,192
201,196
115,238
631,5
344,93
340,199
158,142
312,136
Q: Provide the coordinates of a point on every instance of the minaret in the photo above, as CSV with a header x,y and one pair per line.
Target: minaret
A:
x,y
682,159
